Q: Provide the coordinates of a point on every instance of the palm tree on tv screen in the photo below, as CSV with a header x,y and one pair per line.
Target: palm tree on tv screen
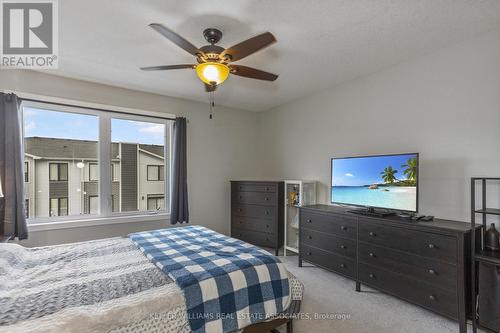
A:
x,y
389,175
411,169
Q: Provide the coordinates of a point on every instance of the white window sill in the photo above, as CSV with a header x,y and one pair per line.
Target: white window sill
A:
x,y
97,222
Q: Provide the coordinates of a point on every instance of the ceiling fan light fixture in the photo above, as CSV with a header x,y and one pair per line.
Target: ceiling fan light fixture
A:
x,y
210,72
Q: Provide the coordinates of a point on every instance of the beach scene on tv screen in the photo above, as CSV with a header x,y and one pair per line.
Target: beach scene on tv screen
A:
x,y
377,181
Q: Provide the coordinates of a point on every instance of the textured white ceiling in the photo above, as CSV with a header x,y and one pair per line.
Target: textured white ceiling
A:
x,y
320,42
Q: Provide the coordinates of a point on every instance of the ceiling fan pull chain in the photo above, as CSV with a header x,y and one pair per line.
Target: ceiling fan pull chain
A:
x,y
210,104
211,101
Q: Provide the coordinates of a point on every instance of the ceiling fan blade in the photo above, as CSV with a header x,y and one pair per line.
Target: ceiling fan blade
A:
x,y
210,87
167,67
176,39
249,46
252,73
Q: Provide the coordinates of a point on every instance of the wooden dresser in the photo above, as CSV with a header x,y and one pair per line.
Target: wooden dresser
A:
x,y
425,263
257,209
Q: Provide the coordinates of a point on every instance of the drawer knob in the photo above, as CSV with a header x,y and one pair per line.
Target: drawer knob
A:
x,y
371,254
432,246
239,209
267,188
309,237
241,187
309,221
309,254
372,234
342,265
342,246
431,271
343,228
267,225
372,276
241,222
241,197
267,212
432,297
266,198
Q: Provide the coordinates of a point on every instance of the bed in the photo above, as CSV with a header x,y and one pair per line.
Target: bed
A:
x,y
144,283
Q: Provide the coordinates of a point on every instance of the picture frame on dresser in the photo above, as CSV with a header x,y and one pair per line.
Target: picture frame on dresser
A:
x,y
257,211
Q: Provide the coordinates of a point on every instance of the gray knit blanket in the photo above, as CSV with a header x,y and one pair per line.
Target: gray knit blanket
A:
x,y
98,286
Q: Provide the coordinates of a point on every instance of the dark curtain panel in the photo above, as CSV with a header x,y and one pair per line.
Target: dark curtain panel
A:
x,y
179,204
12,214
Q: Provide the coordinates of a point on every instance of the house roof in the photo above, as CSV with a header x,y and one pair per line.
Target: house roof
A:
x,y
76,149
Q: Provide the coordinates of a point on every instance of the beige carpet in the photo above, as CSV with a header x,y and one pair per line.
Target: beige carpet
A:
x,y
370,311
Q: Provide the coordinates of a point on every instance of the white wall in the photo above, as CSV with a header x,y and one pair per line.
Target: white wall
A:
x,y
220,149
445,105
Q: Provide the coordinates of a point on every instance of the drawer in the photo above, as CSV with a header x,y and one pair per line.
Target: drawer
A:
x,y
254,237
417,242
432,271
254,211
338,245
339,225
255,198
412,290
252,187
251,223
328,260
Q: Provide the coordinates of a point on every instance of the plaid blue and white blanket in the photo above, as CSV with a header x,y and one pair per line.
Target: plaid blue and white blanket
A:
x,y
227,284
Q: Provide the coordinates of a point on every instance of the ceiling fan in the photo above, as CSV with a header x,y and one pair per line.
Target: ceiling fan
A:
x,y
215,63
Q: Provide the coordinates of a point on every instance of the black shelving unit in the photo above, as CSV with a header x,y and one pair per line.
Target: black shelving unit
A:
x,y
478,253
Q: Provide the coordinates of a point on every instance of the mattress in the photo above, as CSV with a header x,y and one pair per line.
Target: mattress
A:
x,y
97,286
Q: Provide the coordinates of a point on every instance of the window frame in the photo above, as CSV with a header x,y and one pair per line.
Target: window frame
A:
x,y
26,171
113,172
158,172
106,215
89,200
59,206
27,208
90,173
156,197
113,203
167,153
59,172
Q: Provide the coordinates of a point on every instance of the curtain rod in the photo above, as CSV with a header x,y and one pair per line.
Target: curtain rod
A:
x,y
90,108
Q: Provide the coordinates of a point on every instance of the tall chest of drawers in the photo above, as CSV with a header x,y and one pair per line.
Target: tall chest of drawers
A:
x,y
257,210
425,263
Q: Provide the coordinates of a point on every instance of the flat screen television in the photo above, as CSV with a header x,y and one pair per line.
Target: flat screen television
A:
x,y
381,181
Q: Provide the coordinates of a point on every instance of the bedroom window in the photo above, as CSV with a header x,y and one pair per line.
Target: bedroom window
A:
x,y
139,148
81,162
